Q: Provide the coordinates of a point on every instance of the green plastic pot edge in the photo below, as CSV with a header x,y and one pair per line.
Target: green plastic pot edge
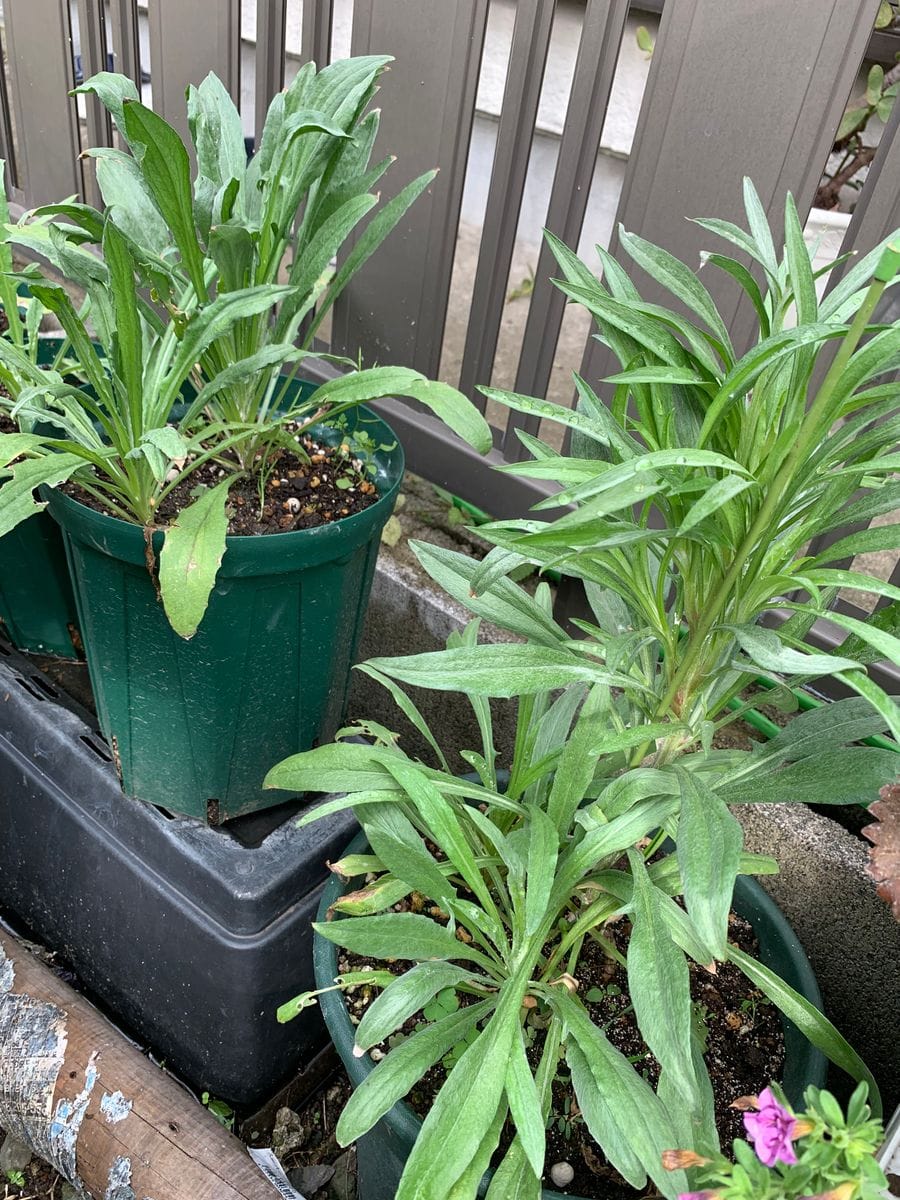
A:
x,y
37,605
780,949
249,554
181,781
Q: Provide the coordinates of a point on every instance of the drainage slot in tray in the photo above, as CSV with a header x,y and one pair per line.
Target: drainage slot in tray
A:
x,y
29,687
46,686
99,748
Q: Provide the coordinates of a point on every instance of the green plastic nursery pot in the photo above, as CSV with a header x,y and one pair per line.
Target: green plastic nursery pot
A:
x,y
382,1153
37,606
195,725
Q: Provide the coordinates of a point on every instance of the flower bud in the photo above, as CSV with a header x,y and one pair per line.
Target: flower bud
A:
x,y
677,1160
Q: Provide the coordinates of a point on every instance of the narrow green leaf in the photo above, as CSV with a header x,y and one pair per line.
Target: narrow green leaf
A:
x,y
496,670
880,537
659,985
543,848
402,1067
402,998
766,651
17,501
714,498
525,1105
397,935
886,645
128,345
403,851
442,823
851,775
679,279
455,410
503,602
465,1106
112,90
166,169
709,847
620,1108
799,265
811,1023
467,1184
189,561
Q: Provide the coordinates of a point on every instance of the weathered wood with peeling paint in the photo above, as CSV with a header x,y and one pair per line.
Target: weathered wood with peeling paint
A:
x,y
86,1100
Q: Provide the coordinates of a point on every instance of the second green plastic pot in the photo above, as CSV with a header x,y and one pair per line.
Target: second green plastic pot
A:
x,y
382,1153
36,602
195,725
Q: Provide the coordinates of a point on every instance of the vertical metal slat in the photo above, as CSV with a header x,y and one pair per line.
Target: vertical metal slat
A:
x,y
703,126
394,311
126,42
271,21
595,68
187,41
7,136
521,95
39,47
315,31
92,31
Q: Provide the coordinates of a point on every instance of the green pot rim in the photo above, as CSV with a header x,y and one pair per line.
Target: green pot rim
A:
x,y
248,554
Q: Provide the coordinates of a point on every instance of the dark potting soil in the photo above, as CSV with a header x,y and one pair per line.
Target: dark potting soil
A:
x,y
293,492
743,1036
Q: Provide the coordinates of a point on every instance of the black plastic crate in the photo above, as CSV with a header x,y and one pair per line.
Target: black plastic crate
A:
x,y
191,936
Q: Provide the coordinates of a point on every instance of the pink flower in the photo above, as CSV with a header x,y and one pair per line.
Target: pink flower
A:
x,y
771,1130
707,1195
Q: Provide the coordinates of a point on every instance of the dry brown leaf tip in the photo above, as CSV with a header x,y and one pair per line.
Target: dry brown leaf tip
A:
x,y
884,855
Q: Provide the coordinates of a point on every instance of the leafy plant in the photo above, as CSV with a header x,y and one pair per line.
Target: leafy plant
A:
x,y
223,1112
818,1152
852,153
687,504
185,305
282,217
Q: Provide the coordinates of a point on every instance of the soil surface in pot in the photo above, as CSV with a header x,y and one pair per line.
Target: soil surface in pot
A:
x,y
292,491
742,1032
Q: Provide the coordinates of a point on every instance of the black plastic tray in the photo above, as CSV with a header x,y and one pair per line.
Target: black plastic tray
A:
x,y
191,936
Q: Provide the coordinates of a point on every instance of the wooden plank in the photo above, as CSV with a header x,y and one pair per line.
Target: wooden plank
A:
x,y
595,67
102,1113
93,44
126,42
271,20
315,31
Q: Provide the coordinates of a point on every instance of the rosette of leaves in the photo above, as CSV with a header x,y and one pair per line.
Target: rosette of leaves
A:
x,y
526,868
694,491
284,216
186,290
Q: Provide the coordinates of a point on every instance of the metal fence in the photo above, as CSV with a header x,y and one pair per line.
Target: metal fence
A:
x,y
734,89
